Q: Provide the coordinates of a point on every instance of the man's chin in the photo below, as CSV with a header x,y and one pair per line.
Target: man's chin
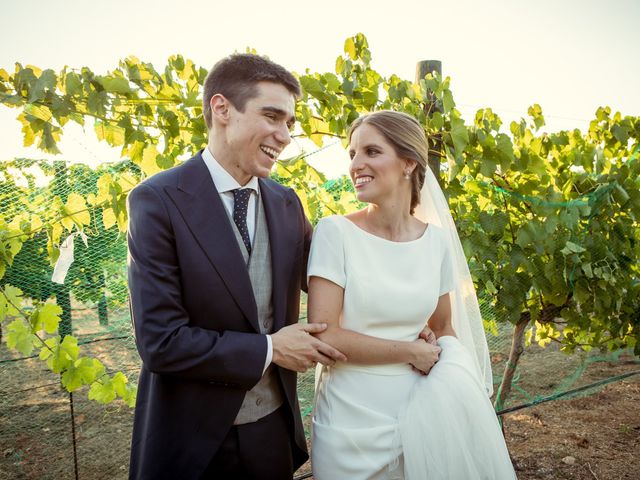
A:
x,y
264,172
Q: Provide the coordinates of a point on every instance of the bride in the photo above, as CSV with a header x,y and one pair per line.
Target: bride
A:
x,y
390,281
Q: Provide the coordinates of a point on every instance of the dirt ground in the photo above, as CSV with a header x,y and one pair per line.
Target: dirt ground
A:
x,y
594,436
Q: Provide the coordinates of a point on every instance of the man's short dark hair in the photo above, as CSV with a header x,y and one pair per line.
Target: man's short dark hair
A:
x,y
236,77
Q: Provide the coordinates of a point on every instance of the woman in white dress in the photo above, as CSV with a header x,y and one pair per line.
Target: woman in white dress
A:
x,y
390,281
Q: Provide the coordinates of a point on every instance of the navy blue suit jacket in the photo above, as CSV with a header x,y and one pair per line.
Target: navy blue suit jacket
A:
x,y
195,317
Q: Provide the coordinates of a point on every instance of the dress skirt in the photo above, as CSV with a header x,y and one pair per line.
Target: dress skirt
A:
x,y
387,422
355,424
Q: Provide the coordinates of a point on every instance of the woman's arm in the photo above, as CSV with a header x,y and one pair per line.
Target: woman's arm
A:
x,y
440,320
325,304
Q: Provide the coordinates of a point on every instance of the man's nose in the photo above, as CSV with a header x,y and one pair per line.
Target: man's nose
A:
x,y
283,135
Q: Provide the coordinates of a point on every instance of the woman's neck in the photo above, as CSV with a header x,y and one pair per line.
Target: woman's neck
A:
x,y
389,223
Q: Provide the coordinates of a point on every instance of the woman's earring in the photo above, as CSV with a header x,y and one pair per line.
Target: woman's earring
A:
x,y
407,175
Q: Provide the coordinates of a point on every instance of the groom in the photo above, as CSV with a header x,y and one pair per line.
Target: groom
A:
x,y
217,257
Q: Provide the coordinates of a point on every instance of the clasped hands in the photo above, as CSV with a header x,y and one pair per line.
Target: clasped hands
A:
x,y
426,351
295,348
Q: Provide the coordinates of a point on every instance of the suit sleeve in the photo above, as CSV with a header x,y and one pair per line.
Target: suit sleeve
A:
x,y
307,232
168,344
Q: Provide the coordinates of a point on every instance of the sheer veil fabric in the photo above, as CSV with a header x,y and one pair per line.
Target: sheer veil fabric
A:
x,y
465,311
449,429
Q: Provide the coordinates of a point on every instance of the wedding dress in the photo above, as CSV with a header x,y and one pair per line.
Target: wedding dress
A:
x,y
386,421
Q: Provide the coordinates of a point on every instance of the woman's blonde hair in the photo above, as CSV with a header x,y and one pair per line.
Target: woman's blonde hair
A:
x,y
407,138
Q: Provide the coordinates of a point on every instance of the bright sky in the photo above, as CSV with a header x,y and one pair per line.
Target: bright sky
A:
x,y
570,56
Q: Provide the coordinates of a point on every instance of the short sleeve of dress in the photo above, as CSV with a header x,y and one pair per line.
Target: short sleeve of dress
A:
x,y
326,258
446,270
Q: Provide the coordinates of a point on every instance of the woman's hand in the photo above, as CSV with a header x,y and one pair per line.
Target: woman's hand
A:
x,y
424,355
428,336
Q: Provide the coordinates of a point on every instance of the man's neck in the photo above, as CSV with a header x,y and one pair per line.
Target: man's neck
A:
x,y
228,164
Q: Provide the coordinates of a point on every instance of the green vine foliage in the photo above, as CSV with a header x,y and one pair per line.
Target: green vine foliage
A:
x,y
36,325
548,221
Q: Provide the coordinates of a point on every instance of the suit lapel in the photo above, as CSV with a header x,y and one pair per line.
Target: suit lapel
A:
x,y
198,201
276,212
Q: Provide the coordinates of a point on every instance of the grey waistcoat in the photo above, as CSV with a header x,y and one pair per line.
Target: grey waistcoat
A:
x,y
266,396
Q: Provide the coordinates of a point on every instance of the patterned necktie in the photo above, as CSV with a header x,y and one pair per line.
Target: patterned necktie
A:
x,y
240,206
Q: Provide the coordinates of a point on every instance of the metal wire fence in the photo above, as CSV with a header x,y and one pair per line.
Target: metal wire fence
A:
x,y
46,432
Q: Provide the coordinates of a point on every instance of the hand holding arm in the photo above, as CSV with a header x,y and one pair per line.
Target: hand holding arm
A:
x,y
295,349
325,306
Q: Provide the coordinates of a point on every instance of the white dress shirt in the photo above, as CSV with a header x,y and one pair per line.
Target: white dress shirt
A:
x,y
225,185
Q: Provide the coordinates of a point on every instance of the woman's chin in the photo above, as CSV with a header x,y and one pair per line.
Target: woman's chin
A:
x,y
363,197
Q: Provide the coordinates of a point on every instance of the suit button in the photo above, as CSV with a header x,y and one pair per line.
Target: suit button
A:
x,y
258,401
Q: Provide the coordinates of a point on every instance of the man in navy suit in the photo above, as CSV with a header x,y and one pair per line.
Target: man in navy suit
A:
x,y
217,258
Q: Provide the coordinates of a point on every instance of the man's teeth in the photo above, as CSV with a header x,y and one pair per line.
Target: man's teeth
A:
x,y
270,151
361,180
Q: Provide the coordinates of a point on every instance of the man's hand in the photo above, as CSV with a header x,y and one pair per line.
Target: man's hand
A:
x,y
428,336
295,349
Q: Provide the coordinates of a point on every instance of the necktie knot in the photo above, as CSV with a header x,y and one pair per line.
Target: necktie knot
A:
x,y
240,207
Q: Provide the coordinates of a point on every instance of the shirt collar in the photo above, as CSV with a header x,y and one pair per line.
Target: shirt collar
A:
x,y
223,180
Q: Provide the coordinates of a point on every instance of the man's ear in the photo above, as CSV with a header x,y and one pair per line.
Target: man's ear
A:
x,y
220,107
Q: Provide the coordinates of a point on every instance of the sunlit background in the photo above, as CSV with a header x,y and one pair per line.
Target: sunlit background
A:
x,y
570,56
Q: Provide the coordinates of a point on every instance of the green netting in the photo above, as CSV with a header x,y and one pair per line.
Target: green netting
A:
x,y
39,432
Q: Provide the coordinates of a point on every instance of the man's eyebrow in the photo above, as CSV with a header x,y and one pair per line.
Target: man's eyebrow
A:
x,y
280,113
